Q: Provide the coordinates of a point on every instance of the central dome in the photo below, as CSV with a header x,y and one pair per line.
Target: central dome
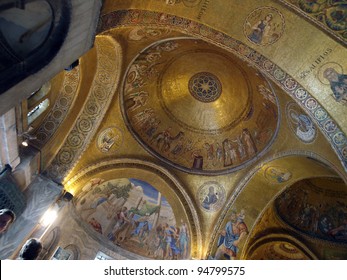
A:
x,y
198,108
207,82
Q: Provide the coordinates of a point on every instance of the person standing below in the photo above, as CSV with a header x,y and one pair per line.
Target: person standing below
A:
x,y
7,217
30,250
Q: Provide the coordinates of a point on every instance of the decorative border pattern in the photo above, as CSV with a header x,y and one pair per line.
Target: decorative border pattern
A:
x,y
100,96
310,105
62,105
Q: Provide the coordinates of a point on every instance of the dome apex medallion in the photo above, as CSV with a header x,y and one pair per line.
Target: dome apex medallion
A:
x,y
205,87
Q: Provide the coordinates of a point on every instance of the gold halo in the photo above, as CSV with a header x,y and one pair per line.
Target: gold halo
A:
x,y
321,70
290,116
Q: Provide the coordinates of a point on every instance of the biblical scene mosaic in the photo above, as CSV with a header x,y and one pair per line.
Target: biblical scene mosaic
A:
x,y
132,214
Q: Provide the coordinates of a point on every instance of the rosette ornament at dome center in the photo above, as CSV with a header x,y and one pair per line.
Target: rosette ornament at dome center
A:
x,y
198,107
205,87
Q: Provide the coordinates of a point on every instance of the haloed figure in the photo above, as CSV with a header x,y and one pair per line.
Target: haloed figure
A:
x,y
338,83
234,232
210,199
261,30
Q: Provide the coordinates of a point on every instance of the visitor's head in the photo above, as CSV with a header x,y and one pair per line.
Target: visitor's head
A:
x,y
31,249
7,217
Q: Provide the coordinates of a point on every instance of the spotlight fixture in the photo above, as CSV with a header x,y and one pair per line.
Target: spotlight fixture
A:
x,y
25,143
26,138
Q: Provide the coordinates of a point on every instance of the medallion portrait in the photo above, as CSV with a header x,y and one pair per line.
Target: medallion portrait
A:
x,y
301,124
211,196
110,139
264,26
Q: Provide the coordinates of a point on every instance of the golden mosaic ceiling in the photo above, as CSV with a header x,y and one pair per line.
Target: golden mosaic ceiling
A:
x,y
304,201
278,251
205,111
198,107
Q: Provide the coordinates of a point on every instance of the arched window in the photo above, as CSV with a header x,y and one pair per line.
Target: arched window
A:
x,y
37,103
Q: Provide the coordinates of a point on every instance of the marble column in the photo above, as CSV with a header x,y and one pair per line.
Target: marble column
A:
x,y
8,140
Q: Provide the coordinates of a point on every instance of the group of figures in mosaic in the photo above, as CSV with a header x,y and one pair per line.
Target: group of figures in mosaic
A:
x,y
177,144
262,27
132,214
300,207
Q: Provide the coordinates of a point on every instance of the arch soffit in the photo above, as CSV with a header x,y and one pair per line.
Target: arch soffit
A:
x,y
64,101
320,168
98,101
276,237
